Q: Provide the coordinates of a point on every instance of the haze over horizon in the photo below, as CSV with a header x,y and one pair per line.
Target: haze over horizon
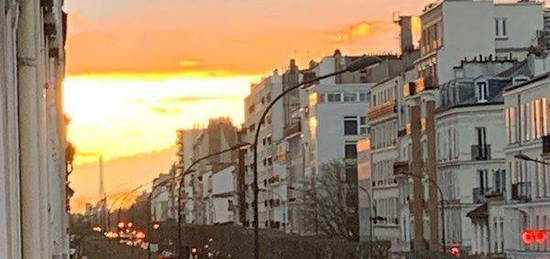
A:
x,y
158,73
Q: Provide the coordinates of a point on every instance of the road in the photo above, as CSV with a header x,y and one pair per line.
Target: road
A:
x,y
98,247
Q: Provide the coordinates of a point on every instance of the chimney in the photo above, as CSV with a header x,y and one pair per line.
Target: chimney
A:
x,y
405,22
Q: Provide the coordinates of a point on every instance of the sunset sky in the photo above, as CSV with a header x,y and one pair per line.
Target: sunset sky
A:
x,y
140,69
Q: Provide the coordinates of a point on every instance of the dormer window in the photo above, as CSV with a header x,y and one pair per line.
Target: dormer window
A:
x,y
519,79
482,90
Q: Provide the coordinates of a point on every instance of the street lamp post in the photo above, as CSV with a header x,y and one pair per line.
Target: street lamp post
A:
x,y
372,211
521,156
150,214
189,170
363,62
442,204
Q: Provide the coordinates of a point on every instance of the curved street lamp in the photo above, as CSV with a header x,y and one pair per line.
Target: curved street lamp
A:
x,y
522,156
442,204
190,170
372,211
360,63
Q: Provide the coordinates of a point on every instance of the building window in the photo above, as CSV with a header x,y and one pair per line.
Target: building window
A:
x,y
363,97
363,125
539,112
350,126
313,97
482,91
334,97
499,178
482,174
351,151
500,27
350,97
511,124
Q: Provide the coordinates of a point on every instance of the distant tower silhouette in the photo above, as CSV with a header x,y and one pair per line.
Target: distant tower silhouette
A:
x,y
104,211
101,184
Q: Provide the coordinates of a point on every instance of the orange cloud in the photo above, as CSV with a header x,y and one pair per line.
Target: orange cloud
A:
x,y
360,30
236,36
188,63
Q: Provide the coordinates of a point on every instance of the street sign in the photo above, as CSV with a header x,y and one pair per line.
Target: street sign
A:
x,y
153,248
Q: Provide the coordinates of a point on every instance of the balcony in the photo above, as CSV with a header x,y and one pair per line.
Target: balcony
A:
x,y
295,127
546,146
479,195
521,191
382,110
495,193
402,132
419,85
400,167
481,152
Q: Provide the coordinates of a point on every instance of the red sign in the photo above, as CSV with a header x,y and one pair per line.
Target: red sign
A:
x,y
534,236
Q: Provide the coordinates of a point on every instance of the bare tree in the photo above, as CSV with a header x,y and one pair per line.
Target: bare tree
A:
x,y
332,201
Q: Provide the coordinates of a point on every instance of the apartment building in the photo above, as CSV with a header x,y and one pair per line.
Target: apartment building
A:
x,y
493,31
272,194
364,193
334,118
470,152
492,28
290,156
528,183
33,173
162,200
185,156
383,135
220,196
200,195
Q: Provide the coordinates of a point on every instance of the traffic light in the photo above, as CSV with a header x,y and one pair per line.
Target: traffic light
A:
x,y
534,236
156,226
140,235
455,251
194,251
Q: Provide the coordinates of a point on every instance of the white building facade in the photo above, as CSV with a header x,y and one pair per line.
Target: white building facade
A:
x,y
272,192
33,193
528,184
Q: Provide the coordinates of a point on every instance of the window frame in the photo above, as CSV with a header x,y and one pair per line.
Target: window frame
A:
x,y
482,90
329,95
351,119
501,27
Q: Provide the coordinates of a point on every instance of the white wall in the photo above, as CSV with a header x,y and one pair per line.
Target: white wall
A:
x,y
462,37
521,215
223,189
522,22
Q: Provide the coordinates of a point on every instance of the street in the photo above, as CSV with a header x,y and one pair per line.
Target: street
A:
x,y
98,247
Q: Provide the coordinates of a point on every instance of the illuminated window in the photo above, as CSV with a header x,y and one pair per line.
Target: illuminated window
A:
x,y
313,126
313,98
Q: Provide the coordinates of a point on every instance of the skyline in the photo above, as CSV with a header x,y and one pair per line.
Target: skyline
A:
x,y
198,68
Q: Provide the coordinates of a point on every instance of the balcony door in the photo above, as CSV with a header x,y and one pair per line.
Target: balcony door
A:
x,y
483,181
